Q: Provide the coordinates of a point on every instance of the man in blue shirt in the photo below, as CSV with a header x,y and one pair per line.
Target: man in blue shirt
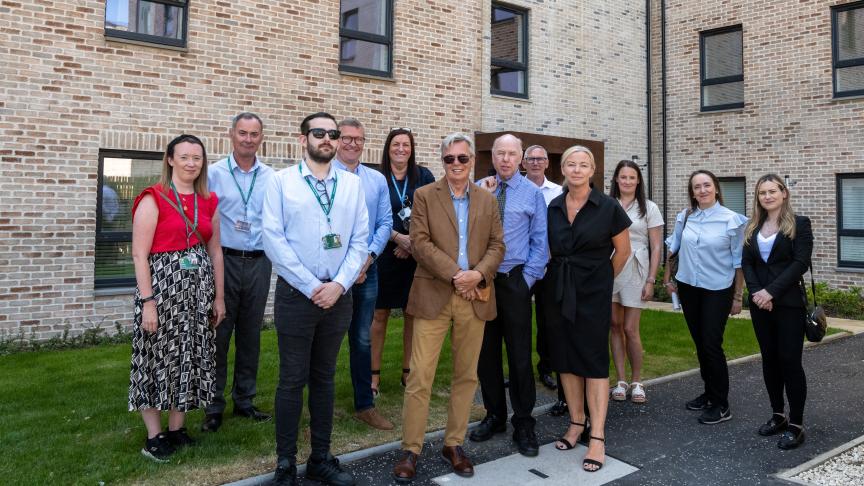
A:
x,y
315,228
523,214
365,291
239,180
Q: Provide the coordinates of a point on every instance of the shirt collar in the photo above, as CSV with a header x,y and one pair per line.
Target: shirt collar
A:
x,y
306,172
514,181
708,211
340,165
594,197
232,164
547,184
465,196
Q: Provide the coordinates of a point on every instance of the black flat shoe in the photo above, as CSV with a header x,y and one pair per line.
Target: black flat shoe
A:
x,y
791,438
559,409
212,422
490,426
526,440
548,381
776,424
253,413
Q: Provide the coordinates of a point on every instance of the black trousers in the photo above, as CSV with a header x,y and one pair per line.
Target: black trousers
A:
x,y
309,342
247,285
513,326
781,340
543,364
706,312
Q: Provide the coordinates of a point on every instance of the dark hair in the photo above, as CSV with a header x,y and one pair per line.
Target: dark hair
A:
x,y
168,171
413,172
304,125
694,205
246,115
615,191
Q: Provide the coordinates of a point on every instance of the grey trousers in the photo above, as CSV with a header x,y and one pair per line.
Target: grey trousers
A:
x,y
247,285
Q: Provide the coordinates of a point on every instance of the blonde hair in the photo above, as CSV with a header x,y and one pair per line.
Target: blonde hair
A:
x,y
200,184
786,220
578,148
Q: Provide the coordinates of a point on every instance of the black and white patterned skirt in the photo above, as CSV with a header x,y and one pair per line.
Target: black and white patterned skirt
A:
x,y
174,367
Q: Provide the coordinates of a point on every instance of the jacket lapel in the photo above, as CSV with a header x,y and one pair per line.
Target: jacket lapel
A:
x,y
472,206
443,191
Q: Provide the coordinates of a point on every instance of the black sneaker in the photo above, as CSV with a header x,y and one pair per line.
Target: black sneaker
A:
x,y
715,414
179,438
328,471
699,403
285,476
158,449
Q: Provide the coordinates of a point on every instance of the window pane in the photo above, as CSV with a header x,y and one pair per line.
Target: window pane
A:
x,y
507,38
159,20
114,260
850,35
368,16
117,14
362,54
723,94
723,55
734,195
122,181
509,80
852,249
852,201
850,79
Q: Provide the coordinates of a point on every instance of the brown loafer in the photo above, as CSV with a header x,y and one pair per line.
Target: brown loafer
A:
x,y
372,418
406,469
458,460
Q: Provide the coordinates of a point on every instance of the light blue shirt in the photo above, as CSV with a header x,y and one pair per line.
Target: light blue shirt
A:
x,y
377,203
524,228
294,225
231,207
460,206
710,246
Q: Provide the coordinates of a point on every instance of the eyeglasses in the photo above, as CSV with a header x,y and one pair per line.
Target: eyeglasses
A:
x,y
187,158
400,129
535,160
320,132
357,140
449,159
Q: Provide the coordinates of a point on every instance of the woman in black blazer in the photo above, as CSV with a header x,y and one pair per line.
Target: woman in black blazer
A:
x,y
777,250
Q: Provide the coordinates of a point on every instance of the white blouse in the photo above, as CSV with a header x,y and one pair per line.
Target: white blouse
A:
x,y
765,245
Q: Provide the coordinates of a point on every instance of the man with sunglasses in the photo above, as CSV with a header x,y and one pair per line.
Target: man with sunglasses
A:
x,y
452,292
315,231
365,290
523,213
240,180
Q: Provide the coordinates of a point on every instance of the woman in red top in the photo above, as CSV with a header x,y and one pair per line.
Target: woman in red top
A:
x,y
179,300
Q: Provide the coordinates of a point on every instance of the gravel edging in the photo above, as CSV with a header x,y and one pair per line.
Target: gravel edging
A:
x,y
824,468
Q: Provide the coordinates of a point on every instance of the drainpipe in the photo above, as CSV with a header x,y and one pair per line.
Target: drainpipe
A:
x,y
665,147
648,95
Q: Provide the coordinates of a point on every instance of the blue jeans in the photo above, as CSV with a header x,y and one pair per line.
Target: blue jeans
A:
x,y
365,295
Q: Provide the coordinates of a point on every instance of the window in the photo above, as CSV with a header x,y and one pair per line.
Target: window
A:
x,y
734,191
850,220
847,45
156,21
722,68
122,176
366,37
509,51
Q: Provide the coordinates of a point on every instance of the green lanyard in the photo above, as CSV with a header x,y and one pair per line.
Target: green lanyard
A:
x,y
325,208
247,197
182,213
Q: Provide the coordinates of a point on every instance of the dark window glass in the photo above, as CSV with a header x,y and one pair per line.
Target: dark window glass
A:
x,y
509,51
850,221
848,49
734,191
722,68
122,176
157,21
366,36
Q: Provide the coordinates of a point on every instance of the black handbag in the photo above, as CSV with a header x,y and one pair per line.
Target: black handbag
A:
x,y
815,320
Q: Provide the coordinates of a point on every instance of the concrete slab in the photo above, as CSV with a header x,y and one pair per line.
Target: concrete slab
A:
x,y
551,468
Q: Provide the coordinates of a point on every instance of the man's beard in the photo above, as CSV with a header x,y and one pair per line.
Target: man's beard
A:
x,y
318,156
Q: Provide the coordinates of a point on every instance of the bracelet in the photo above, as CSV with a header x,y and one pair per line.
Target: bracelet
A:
x,y
147,299
650,280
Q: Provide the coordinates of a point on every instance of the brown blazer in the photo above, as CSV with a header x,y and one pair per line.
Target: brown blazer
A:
x,y
435,239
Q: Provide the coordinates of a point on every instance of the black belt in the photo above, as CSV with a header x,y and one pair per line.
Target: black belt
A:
x,y
517,270
243,253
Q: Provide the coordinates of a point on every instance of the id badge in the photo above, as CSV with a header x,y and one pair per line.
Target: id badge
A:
x,y
331,241
189,261
404,214
243,226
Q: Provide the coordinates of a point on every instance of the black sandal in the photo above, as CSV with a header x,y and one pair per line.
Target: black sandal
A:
x,y
592,462
405,371
563,439
375,391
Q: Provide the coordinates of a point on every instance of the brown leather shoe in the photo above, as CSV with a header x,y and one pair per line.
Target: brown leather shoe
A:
x,y
372,418
458,460
406,469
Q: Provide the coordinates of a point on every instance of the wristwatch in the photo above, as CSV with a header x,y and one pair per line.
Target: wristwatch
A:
x,y
373,255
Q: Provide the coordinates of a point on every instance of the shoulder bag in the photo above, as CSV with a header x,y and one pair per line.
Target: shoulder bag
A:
x,y
815,320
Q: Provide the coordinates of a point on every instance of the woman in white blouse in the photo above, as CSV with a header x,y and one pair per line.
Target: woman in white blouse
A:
x,y
635,284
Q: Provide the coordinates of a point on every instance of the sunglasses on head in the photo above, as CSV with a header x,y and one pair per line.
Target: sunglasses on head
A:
x,y
320,132
393,129
449,159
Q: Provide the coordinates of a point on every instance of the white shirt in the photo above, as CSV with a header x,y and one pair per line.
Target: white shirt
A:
x,y
765,245
550,190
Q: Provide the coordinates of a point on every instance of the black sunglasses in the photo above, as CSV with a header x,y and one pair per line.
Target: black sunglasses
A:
x,y
320,132
402,129
449,159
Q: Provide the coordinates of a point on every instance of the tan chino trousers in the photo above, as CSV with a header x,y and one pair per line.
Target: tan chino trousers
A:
x,y
429,335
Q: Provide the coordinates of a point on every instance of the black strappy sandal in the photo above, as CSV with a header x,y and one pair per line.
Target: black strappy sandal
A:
x,y
375,391
563,439
405,371
592,462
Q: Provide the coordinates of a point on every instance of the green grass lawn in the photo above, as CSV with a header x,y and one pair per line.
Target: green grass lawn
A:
x,y
63,417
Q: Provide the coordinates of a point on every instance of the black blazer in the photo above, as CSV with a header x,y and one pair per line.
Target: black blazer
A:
x,y
788,261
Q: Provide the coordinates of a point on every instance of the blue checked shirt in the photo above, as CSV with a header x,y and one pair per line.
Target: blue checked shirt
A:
x,y
231,208
377,203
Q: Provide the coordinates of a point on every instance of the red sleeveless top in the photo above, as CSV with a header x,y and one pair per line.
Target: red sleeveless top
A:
x,y
170,232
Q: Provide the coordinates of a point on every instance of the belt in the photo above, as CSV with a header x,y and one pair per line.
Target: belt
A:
x,y
517,270
243,253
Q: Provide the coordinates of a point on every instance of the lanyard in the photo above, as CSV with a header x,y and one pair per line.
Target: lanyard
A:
x,y
324,207
247,197
182,213
404,192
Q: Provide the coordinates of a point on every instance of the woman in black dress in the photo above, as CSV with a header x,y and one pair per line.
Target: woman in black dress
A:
x,y
585,226
396,265
777,249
